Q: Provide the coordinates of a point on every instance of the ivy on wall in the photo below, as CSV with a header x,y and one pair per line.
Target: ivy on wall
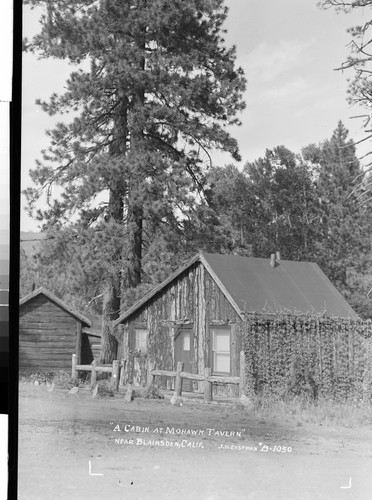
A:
x,y
306,355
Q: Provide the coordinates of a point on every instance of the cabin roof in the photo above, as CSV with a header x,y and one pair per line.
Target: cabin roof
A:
x,y
42,291
291,286
156,290
253,285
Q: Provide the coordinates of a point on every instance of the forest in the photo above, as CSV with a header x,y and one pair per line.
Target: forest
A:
x,y
127,190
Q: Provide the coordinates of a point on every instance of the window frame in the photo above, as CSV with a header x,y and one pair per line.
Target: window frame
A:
x,y
137,331
212,330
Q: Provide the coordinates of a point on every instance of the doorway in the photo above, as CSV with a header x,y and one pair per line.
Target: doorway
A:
x,y
184,351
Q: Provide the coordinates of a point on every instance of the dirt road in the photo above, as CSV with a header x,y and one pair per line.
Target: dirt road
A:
x,y
75,447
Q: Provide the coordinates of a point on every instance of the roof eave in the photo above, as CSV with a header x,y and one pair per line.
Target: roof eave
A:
x,y
221,286
57,301
155,291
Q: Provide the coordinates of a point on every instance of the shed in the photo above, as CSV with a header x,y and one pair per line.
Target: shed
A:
x,y
196,314
50,332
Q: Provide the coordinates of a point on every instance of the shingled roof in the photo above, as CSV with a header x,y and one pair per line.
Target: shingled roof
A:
x,y
254,285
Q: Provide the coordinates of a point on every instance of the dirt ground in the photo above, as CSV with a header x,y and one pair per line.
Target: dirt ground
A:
x,y
75,447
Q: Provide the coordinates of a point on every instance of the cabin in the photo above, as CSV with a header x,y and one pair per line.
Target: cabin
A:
x,y
196,315
50,332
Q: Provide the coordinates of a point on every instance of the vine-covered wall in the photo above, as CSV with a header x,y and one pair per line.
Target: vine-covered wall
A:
x,y
289,354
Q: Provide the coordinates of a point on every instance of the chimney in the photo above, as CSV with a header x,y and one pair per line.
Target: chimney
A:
x,y
277,256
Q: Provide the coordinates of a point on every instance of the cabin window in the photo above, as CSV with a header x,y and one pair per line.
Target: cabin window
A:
x,y
140,340
186,340
221,352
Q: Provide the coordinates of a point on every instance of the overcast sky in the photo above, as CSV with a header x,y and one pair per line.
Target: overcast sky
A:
x,y
288,50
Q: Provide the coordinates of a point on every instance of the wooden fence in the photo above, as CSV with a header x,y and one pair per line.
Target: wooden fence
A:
x,y
117,370
94,368
207,378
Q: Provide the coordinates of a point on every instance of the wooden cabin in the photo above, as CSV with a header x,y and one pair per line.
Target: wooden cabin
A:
x,y
50,332
196,315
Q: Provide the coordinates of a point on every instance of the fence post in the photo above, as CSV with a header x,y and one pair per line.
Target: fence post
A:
x,y
178,383
93,378
115,375
242,381
122,371
207,385
150,377
73,371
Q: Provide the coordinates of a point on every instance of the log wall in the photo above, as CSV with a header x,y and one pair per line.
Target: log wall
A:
x,y
193,297
90,347
47,336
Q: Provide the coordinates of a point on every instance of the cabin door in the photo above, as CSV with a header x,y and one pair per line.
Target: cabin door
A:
x,y
184,351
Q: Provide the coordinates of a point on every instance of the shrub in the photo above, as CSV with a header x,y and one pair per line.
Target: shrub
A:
x,y
63,380
153,392
104,389
41,377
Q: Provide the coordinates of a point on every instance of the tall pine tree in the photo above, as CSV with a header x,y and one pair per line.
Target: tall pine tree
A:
x,y
343,226
229,195
154,90
281,190
267,206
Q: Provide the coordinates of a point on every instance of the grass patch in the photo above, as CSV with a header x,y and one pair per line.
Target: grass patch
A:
x,y
322,412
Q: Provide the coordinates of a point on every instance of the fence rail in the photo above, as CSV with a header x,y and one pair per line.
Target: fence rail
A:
x,y
117,372
207,378
94,368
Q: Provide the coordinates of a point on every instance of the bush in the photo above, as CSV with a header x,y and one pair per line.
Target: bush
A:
x,y
153,392
41,377
61,380
103,389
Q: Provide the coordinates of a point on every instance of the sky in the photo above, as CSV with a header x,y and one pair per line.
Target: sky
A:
x,y
289,50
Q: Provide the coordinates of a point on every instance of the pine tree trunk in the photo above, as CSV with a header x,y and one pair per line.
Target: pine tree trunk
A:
x,y
111,292
110,311
135,209
136,240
